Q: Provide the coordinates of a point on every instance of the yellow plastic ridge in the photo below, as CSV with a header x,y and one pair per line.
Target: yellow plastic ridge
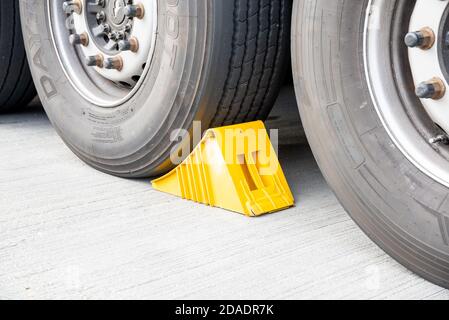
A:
x,y
234,168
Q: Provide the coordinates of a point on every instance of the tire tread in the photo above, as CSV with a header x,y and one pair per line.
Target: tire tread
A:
x,y
16,84
257,63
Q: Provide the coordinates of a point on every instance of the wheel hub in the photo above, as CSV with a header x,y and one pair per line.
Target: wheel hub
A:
x,y
109,24
114,37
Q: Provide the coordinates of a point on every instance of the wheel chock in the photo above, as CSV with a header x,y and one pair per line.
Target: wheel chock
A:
x,y
234,168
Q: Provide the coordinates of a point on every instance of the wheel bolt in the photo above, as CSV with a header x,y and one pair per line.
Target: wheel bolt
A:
x,y
101,16
71,6
95,61
120,35
115,63
423,39
432,89
76,39
116,35
135,11
129,45
113,35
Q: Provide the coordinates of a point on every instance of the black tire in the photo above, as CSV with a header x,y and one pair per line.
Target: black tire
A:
x,y
229,67
404,211
16,84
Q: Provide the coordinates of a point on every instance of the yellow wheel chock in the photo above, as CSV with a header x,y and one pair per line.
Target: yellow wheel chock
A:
x,y
235,168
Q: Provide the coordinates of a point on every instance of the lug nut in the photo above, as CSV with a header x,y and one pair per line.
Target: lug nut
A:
x,y
76,39
135,11
101,16
116,35
423,39
432,89
115,63
95,61
72,6
120,35
113,35
129,45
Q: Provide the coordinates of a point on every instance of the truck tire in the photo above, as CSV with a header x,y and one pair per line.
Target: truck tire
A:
x,y
357,102
217,62
16,84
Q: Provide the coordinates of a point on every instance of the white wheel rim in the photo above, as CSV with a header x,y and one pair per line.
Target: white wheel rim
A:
x,y
402,132
135,64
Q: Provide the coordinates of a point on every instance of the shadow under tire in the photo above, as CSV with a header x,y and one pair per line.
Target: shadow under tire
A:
x,y
16,85
403,210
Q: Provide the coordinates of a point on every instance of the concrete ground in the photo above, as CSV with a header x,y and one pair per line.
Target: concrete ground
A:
x,y
68,231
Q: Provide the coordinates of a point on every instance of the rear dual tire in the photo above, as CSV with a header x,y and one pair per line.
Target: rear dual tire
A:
x,y
16,84
405,211
223,63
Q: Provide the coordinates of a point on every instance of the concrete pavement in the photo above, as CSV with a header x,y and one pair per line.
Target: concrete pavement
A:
x,y
68,231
